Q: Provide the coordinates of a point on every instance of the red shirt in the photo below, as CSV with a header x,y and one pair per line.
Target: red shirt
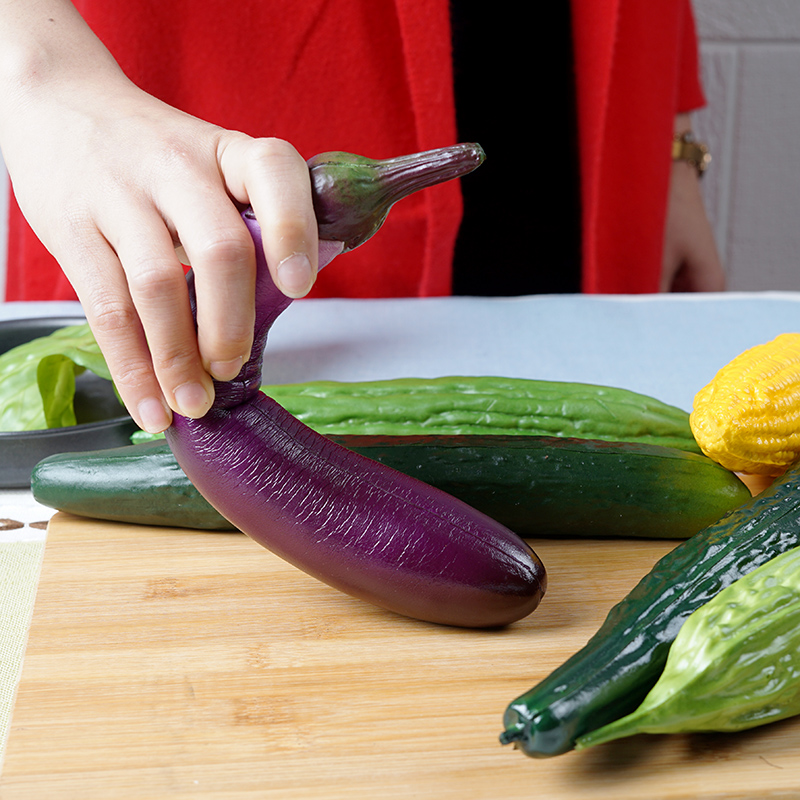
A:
x,y
376,79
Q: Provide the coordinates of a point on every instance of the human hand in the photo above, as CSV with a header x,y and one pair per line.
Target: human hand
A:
x,y
112,181
690,261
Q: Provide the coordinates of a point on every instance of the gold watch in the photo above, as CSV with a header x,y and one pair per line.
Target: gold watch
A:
x,y
686,148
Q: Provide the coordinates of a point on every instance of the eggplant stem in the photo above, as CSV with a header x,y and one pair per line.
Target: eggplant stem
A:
x,y
511,737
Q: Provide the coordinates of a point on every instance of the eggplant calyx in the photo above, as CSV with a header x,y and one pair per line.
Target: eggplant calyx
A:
x,y
353,194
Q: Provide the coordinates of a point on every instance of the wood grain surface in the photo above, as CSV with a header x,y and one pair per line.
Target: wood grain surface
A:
x,y
165,663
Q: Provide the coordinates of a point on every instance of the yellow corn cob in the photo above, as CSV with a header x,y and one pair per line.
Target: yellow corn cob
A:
x,y
748,418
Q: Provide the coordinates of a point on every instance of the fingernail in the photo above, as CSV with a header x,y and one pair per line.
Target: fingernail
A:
x,y
226,370
294,275
192,400
153,415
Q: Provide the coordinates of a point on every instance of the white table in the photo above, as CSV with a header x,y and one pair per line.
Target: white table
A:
x,y
668,346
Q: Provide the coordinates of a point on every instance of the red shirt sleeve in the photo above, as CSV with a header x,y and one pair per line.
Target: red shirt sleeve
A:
x,y
636,67
690,88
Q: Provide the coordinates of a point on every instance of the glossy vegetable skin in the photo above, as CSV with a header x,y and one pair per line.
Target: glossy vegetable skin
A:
x,y
141,484
354,524
748,417
733,664
563,486
535,485
610,676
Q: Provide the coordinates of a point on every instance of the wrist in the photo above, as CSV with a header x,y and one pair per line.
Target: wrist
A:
x,y
687,149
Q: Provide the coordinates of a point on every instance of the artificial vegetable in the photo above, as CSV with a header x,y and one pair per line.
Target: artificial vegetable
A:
x,y
482,405
733,665
140,483
456,405
565,486
611,675
37,379
748,417
355,524
535,485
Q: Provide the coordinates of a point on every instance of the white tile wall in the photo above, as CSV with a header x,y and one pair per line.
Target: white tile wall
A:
x,y
751,69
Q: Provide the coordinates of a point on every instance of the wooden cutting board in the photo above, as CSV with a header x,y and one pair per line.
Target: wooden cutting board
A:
x,y
166,663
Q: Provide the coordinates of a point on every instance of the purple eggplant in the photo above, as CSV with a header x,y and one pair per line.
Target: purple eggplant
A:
x,y
351,522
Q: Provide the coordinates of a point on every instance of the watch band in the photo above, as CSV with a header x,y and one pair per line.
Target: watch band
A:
x,y
686,148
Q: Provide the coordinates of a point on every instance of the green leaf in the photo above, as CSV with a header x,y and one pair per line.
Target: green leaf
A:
x,y
32,398
56,380
138,437
78,343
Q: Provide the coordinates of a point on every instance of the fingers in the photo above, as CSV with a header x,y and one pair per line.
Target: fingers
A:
x,y
159,294
111,314
220,249
702,271
137,304
273,178
132,284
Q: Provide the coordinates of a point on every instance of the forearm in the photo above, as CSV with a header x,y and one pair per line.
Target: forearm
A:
x,y
42,42
683,123
53,71
690,259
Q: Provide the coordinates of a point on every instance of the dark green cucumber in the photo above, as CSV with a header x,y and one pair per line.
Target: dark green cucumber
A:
x,y
563,486
485,405
139,483
610,676
535,485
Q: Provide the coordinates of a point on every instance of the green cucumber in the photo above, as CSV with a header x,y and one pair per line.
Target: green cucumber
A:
x,y
563,486
733,664
535,485
140,483
485,405
611,675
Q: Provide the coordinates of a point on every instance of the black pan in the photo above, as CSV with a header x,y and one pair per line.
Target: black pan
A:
x,y
102,420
